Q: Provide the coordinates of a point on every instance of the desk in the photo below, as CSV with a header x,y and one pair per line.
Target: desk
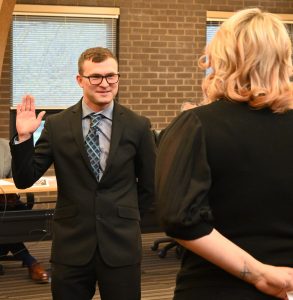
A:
x,y
27,225
51,186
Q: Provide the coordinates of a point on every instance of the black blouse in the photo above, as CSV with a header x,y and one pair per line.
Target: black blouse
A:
x,y
183,179
229,167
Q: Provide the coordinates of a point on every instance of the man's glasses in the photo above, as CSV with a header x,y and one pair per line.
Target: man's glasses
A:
x,y
98,79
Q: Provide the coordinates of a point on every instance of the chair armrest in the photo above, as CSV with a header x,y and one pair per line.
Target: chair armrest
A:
x,y
30,200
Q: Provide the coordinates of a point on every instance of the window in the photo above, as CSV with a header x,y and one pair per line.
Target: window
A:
x,y
215,19
46,44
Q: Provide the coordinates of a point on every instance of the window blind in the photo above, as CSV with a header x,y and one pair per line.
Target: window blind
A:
x,y
211,29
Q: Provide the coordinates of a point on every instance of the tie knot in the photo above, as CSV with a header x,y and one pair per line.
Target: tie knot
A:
x,y
95,119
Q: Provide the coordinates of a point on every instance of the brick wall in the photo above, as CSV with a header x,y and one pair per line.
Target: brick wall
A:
x,y
160,43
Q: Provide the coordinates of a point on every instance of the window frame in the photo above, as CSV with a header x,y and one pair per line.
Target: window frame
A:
x,y
70,11
224,15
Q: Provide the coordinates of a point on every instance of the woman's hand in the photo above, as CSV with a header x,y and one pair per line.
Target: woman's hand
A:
x,y
275,281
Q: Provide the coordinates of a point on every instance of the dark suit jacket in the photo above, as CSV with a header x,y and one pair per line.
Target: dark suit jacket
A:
x,y
90,214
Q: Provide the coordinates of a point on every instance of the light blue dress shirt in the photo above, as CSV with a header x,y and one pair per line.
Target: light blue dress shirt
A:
x,y
105,127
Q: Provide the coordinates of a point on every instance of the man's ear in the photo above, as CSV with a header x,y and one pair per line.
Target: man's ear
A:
x,y
79,80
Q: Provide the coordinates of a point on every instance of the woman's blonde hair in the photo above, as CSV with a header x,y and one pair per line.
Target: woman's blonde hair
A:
x,y
250,61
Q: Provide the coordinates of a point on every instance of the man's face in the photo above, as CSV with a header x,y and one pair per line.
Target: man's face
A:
x,y
98,97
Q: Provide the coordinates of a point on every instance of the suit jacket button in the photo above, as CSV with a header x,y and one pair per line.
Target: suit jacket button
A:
x,y
98,217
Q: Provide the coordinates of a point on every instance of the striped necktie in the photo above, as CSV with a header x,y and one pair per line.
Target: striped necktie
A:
x,y
92,144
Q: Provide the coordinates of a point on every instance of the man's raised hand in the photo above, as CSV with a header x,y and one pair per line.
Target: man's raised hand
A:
x,y
26,120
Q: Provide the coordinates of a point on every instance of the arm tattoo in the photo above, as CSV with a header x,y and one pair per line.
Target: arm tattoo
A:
x,y
245,272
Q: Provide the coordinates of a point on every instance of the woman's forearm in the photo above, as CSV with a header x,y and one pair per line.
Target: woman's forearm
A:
x,y
225,254
222,252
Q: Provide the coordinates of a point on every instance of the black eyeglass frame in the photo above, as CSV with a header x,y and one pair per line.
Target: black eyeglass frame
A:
x,y
102,78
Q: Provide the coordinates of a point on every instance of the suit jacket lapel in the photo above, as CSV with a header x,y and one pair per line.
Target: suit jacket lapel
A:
x,y
117,129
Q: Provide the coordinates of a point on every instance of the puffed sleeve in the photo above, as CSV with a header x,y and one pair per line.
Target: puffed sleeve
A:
x,y
183,179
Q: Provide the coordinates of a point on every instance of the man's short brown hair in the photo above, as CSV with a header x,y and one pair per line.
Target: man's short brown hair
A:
x,y
97,54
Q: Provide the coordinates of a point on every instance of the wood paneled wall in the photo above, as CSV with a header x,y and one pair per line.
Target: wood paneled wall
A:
x,y
6,9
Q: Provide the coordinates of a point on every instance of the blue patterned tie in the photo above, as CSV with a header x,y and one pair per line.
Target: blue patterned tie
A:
x,y
92,144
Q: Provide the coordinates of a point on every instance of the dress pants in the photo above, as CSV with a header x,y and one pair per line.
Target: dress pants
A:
x,y
18,250
79,283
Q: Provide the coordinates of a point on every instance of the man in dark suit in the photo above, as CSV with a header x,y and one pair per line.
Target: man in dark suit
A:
x,y
96,235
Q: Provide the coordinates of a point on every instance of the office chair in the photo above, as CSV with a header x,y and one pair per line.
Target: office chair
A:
x,y
171,243
30,200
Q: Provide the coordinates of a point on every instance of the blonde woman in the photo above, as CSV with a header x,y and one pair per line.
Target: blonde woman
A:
x,y
225,170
